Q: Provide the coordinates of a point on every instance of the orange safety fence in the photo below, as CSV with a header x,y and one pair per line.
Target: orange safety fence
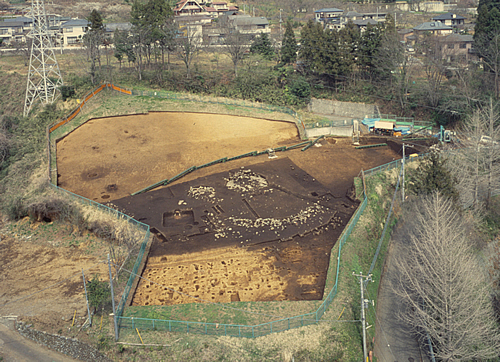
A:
x,y
77,110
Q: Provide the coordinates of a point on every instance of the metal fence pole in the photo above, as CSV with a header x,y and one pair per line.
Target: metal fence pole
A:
x,y
87,298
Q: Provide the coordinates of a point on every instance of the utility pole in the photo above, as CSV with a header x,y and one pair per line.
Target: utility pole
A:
x,y
280,22
403,185
112,299
363,279
87,298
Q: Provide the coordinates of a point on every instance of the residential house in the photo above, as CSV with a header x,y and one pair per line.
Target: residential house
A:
x,y
219,8
363,23
211,11
110,28
188,7
27,22
434,28
330,17
407,38
361,20
450,19
350,15
456,48
12,31
215,33
246,24
377,16
73,31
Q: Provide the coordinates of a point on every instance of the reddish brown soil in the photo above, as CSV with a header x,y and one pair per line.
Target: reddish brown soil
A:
x,y
107,159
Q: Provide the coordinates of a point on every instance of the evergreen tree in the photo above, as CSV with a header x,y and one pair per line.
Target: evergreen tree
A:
x,y
92,41
370,41
432,175
487,37
312,36
262,45
349,39
289,47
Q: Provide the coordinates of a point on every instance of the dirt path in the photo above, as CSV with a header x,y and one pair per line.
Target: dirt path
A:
x,y
394,341
14,347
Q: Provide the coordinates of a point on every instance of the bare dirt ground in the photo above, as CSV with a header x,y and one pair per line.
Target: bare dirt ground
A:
x,y
108,159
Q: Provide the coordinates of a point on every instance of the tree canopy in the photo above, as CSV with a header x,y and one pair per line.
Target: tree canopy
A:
x,y
289,47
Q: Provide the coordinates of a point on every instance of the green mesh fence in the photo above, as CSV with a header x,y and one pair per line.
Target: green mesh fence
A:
x,y
236,330
249,331
119,215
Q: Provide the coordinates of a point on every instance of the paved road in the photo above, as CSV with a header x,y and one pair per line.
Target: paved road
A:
x,y
393,342
15,348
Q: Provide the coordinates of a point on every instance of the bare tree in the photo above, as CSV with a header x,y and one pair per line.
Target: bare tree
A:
x,y
188,46
476,167
443,284
490,55
434,69
23,48
235,46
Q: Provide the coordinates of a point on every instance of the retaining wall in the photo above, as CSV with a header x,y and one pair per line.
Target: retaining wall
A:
x,y
69,346
329,131
341,109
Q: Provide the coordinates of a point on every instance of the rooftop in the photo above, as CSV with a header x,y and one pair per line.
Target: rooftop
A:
x,y
448,16
433,25
329,10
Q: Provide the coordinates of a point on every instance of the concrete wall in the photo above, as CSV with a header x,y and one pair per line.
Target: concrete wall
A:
x,y
329,131
341,109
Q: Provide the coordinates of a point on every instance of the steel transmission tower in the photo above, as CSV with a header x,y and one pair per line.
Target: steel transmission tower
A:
x,y
44,76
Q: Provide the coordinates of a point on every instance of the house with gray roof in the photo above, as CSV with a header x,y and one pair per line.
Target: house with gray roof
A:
x,y
12,31
73,31
434,28
450,19
456,48
246,24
